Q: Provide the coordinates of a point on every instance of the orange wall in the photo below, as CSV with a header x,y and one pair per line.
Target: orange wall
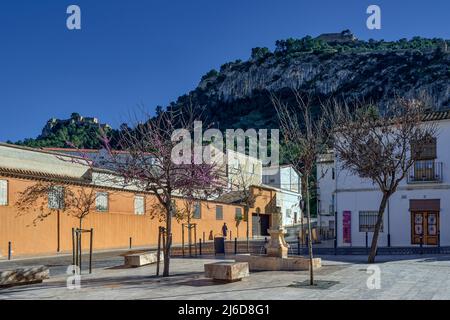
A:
x,y
112,229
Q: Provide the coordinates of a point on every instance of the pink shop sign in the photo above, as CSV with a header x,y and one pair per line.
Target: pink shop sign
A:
x,y
347,226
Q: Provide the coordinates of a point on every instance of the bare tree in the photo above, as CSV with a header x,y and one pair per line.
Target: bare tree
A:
x,y
46,198
81,202
381,147
305,135
149,166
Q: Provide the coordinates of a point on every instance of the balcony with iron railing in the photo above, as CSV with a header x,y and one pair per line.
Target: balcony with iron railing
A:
x,y
426,171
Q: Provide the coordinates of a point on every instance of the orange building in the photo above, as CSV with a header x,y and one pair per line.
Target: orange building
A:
x,y
118,214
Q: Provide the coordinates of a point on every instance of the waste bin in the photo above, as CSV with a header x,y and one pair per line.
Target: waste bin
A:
x,y
219,245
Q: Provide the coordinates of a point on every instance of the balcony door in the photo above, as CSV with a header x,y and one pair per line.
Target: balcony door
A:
x,y
425,224
424,170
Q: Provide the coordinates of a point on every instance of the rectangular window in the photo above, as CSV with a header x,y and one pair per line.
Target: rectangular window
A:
x,y
3,192
101,201
238,214
197,211
368,220
288,213
139,205
219,213
424,150
56,198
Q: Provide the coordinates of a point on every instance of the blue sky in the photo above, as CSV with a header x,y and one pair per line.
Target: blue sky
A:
x,y
148,52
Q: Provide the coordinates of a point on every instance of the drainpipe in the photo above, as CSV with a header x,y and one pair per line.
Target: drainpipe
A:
x,y
389,224
336,174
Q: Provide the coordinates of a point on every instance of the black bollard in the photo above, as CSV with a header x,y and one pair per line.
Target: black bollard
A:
x,y
9,250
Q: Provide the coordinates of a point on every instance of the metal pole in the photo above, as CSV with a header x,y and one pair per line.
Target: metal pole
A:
x,y
158,259
182,238
200,246
81,248
439,241
203,236
9,250
90,250
58,231
195,239
265,242
298,245
76,247
190,239
131,242
367,241
421,244
235,245
73,247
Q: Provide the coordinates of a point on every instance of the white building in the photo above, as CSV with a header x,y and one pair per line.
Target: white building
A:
x,y
326,192
286,181
419,209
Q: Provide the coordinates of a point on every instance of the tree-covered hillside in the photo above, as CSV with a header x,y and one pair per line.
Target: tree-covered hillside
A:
x,y
334,66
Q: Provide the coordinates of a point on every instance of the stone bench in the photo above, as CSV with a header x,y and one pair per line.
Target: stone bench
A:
x,y
21,276
141,259
227,271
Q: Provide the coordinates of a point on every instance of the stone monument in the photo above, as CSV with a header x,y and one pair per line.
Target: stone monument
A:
x,y
277,246
276,258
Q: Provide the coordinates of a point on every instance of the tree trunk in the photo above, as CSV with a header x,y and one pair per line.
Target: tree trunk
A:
x,y
168,241
374,247
310,249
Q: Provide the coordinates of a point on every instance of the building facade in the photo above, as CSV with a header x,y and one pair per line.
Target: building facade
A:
x,y
118,215
418,212
286,181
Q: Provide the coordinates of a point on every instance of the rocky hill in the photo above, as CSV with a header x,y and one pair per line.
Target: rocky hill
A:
x,y
330,66
335,65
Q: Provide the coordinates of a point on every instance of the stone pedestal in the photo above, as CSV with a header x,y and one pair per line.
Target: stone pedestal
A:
x,y
277,246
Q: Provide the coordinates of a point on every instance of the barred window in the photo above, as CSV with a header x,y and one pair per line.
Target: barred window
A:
x,y
101,201
219,213
424,150
56,197
139,205
197,211
368,220
3,192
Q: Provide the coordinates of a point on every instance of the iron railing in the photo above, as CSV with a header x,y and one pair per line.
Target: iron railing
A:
x,y
425,171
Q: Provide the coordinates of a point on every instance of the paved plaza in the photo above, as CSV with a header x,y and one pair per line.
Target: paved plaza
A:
x,y
401,277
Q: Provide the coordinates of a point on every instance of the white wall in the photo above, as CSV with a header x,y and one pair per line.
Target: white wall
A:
x,y
356,194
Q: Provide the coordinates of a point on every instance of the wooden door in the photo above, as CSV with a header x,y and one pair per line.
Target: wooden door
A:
x,y
425,224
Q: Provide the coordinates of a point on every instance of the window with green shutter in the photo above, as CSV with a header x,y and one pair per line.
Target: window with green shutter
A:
x,y
219,212
238,214
197,210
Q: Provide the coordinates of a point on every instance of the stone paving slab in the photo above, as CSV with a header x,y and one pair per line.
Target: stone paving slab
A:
x,y
413,277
